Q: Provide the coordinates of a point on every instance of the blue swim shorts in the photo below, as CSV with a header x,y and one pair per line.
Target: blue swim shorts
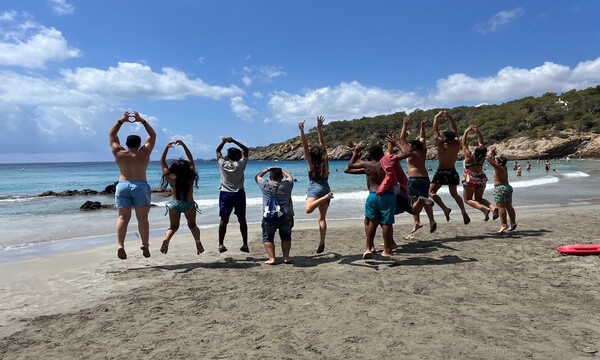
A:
x,y
317,189
132,193
381,207
232,200
284,226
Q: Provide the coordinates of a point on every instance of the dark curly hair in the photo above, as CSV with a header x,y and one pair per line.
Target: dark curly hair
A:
x,y
184,176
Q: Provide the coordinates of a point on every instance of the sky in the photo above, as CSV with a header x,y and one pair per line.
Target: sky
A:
x,y
200,70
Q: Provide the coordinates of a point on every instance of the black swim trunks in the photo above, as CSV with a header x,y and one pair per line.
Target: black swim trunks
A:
x,y
446,177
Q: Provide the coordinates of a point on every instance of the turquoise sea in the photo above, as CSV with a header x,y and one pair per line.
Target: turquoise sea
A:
x,y
33,225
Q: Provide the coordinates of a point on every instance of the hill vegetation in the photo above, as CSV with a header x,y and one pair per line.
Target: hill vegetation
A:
x,y
550,115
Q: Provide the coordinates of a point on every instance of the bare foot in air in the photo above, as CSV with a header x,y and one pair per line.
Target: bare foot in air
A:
x,y
199,247
466,219
121,253
416,227
321,248
512,227
503,229
496,215
432,227
486,212
145,251
245,249
447,212
164,248
270,262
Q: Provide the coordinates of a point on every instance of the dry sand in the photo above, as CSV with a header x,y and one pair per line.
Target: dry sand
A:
x,y
463,292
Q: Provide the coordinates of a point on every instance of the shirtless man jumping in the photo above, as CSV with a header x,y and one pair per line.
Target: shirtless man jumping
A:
x,y
447,149
132,190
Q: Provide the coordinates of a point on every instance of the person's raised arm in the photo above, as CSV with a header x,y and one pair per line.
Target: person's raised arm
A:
x,y
354,163
163,158
151,139
452,123
479,136
436,127
305,144
244,148
422,135
321,136
220,147
464,140
261,174
115,144
188,153
287,175
491,157
405,123
353,159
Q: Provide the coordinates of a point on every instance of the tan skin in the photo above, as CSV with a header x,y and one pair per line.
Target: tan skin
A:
x,y
132,165
286,245
501,178
375,176
241,218
321,203
447,150
474,195
190,214
416,168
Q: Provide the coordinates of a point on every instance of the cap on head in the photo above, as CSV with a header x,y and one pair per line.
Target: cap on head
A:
x,y
133,141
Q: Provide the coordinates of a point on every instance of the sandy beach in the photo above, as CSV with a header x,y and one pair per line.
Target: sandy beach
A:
x,y
463,292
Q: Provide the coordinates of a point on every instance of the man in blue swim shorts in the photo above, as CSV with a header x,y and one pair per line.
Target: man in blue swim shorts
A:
x,y
133,190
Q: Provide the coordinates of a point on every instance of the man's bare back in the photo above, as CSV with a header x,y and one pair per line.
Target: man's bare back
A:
x,y
132,164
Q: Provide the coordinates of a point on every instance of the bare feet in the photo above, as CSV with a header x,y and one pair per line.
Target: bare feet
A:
x,y
394,245
391,257
321,248
245,249
145,251
495,216
432,227
367,255
199,247
330,195
466,218
512,227
503,229
270,262
287,261
447,212
222,249
164,248
487,214
121,253
416,227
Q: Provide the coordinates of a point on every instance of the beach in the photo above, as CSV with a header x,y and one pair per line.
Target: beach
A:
x,y
463,292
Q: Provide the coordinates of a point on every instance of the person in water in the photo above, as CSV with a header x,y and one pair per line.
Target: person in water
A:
x,y
319,194
181,175
474,179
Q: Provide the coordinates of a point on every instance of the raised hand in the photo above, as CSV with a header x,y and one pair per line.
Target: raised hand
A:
x,y
320,120
301,125
406,120
137,117
425,120
125,117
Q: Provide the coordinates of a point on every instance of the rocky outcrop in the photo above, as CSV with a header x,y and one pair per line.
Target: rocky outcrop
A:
x,y
95,205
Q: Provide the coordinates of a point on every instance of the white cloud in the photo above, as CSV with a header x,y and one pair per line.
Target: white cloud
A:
x,y
511,83
501,19
8,15
345,101
61,7
265,73
242,110
134,80
31,46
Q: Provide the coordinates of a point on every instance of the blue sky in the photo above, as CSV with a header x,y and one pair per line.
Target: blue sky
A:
x,y
200,70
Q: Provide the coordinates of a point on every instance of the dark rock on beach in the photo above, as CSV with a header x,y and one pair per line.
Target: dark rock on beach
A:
x,y
95,205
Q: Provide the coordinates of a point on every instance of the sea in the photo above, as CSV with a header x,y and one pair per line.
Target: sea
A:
x,y
35,226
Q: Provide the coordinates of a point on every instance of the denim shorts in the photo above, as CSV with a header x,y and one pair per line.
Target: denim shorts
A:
x,y
284,226
317,189
132,193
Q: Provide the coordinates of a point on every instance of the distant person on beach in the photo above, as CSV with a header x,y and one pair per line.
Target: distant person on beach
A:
x,y
280,183
474,179
528,166
447,150
133,190
182,177
378,209
418,177
547,165
502,190
319,194
232,194
519,170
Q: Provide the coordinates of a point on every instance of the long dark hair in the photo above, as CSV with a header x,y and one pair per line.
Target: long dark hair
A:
x,y
318,161
184,176
479,154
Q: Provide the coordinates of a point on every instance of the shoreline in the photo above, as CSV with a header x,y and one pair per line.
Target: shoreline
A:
x,y
482,289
